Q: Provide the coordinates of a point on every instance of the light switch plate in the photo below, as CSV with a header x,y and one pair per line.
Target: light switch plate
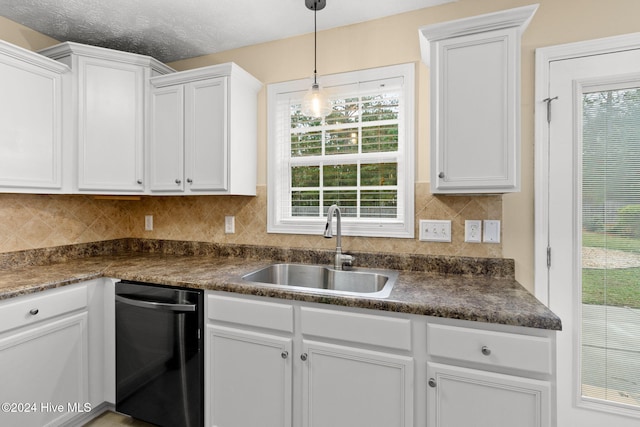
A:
x,y
434,230
148,222
491,232
473,231
229,224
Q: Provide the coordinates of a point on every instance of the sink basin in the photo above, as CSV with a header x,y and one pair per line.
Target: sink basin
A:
x,y
323,279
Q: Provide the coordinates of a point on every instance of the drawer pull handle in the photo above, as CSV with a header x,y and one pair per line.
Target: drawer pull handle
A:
x,y
486,350
432,383
303,356
34,311
284,354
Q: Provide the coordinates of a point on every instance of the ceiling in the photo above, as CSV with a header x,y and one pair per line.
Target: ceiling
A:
x,y
169,30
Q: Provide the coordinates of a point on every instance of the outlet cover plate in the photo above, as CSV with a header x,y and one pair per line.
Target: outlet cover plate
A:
x,y
491,232
473,231
435,230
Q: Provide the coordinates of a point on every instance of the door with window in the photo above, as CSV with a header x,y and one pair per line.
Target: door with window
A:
x,y
588,224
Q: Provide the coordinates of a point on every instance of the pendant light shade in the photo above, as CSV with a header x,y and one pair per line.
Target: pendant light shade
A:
x,y
316,103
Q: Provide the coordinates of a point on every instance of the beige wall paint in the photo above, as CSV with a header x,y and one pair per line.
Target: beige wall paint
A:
x,y
22,36
381,42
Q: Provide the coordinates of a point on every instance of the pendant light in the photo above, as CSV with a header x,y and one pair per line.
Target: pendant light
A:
x,y
316,103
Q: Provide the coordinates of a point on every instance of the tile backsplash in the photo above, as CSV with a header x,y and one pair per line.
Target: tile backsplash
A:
x,y
38,221
29,221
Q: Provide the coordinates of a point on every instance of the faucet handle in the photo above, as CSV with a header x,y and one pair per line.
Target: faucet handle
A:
x,y
347,261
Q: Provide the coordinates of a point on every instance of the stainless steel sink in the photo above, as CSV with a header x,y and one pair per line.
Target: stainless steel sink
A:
x,y
324,279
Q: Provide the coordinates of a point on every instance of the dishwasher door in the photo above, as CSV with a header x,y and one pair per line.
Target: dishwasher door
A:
x,y
159,354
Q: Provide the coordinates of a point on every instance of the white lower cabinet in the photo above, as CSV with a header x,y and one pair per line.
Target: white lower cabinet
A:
x,y
44,358
263,368
249,378
280,363
488,378
468,397
344,386
248,362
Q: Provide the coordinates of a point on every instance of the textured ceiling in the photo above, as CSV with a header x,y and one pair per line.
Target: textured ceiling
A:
x,y
170,30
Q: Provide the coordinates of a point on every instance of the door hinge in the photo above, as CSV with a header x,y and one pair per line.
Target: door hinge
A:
x,y
548,101
548,257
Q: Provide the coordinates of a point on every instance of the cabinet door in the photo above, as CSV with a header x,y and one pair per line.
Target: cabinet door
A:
x,y
466,397
350,387
206,151
44,372
31,123
111,125
475,133
166,153
249,379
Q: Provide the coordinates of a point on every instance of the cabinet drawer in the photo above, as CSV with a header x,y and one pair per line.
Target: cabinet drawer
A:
x,y
491,348
44,305
357,327
250,312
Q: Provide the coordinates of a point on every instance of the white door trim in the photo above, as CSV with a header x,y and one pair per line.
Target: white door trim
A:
x,y
544,57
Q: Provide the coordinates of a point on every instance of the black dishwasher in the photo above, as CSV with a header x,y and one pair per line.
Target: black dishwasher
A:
x,y
159,354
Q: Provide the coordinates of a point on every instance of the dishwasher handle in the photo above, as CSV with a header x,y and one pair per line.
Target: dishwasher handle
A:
x,y
163,306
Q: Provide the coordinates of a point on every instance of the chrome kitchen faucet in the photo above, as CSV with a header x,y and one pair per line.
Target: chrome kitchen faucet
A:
x,y
340,259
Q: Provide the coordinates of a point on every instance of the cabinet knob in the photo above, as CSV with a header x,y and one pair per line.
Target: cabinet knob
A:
x,y
284,354
303,356
34,311
486,350
178,181
139,181
432,382
189,180
441,175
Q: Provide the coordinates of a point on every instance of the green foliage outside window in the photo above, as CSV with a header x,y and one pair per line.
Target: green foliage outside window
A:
x,y
365,125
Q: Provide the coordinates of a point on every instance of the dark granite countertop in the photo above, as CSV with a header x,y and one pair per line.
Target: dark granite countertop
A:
x,y
481,290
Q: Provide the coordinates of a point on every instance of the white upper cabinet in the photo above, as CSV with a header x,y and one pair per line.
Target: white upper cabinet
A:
x,y
203,132
109,90
206,143
166,139
475,101
31,118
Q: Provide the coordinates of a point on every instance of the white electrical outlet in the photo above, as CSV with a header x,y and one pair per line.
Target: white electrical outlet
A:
x,y
148,222
434,230
229,224
491,232
473,231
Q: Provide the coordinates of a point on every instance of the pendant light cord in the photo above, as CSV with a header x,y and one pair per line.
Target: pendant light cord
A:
x,y
315,43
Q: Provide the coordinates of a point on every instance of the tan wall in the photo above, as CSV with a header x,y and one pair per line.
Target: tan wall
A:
x,y
22,36
376,43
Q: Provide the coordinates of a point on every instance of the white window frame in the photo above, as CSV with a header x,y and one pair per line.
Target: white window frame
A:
x,y
277,184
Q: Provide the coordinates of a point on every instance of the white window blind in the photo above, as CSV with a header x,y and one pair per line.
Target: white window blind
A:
x,y
359,157
611,245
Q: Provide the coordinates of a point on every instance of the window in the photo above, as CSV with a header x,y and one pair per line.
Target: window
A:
x,y
359,157
611,244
